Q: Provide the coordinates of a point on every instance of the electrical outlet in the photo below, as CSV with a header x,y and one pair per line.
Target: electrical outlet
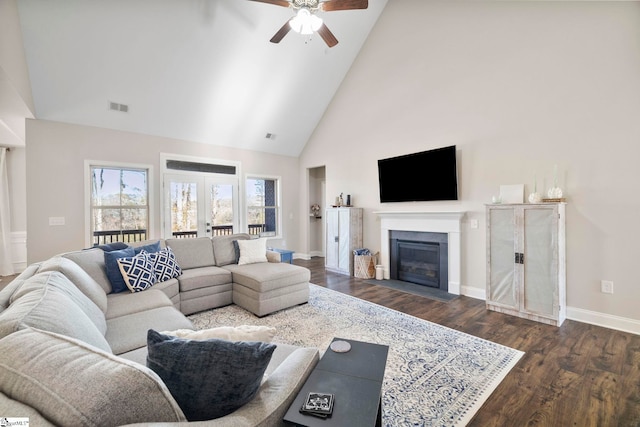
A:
x,y
473,223
606,286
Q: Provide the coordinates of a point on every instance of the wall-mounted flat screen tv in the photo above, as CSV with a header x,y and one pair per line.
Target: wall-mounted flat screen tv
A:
x,y
425,176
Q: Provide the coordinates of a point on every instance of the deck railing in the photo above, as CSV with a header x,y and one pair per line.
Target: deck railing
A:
x,y
112,236
131,236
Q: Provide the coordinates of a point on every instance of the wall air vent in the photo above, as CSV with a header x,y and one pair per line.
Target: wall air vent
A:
x,y
114,106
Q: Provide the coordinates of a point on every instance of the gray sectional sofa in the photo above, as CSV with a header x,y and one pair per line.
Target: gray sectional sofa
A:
x,y
72,352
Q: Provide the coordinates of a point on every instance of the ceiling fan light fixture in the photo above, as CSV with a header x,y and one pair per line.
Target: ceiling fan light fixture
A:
x,y
305,22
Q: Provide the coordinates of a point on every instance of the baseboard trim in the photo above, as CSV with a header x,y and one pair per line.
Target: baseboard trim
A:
x,y
476,293
578,314
298,255
610,321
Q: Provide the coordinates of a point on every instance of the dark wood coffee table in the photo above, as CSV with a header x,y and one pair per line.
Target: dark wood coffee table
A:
x,y
355,378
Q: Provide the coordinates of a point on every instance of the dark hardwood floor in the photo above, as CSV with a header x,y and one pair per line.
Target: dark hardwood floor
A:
x,y
575,375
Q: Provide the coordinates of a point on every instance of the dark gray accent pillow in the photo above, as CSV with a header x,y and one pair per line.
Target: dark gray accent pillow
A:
x,y
210,378
236,250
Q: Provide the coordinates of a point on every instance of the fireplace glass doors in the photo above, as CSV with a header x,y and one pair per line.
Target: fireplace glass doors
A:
x,y
420,258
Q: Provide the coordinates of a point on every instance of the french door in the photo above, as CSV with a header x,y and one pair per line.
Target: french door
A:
x,y
198,205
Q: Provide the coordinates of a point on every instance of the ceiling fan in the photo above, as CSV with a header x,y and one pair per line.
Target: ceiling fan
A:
x,y
306,22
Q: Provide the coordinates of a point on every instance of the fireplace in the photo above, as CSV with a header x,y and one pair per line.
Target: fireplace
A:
x,y
420,258
448,223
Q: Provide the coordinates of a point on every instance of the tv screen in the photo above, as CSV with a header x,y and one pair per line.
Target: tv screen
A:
x,y
425,176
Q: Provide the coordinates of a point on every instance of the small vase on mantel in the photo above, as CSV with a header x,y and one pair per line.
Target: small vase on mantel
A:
x,y
535,197
555,192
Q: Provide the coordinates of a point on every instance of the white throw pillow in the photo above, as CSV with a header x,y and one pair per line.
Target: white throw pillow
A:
x,y
228,333
252,251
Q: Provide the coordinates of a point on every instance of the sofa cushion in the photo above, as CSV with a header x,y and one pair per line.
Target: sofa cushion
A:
x,y
137,272
165,265
8,290
11,406
252,251
71,383
203,277
171,288
209,378
79,277
192,253
129,332
92,261
123,304
56,282
224,250
41,304
117,280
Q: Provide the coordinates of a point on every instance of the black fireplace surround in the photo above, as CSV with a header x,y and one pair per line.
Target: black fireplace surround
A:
x,y
420,257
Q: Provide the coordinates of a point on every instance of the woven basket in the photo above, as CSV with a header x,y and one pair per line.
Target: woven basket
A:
x,y
364,266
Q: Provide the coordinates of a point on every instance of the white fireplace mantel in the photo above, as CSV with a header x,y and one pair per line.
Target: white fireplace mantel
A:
x,y
434,222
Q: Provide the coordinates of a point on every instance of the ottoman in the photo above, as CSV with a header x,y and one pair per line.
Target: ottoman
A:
x,y
265,287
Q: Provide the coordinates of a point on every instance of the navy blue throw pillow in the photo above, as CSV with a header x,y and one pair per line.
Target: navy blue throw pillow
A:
x,y
150,248
113,270
209,378
115,246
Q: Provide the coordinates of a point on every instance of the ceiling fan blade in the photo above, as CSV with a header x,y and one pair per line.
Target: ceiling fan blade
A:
x,y
283,3
281,33
327,36
332,5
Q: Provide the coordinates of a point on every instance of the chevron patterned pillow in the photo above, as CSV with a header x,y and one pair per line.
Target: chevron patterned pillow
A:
x,y
138,272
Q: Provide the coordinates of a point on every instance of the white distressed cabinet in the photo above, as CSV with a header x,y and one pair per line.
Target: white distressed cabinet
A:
x,y
526,267
343,235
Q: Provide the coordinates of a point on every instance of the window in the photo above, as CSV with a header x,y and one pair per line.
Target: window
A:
x,y
263,206
119,207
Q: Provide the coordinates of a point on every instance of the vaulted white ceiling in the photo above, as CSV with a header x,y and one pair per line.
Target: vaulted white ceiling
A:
x,y
196,70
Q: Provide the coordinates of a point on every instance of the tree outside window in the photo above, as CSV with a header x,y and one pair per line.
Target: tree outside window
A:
x,y
262,206
119,204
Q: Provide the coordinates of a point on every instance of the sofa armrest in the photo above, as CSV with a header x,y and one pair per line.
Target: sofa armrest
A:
x,y
273,256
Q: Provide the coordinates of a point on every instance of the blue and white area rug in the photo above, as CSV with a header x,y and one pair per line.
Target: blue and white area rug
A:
x,y
435,376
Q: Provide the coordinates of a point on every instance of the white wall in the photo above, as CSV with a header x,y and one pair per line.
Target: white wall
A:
x,y
55,179
518,87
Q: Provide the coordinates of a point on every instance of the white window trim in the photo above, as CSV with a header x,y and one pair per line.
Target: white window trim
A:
x,y
242,224
278,179
87,194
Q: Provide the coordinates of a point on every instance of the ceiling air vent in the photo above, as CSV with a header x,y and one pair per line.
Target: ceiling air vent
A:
x,y
114,106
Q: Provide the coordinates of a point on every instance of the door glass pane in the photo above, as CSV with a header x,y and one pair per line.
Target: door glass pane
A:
x,y
221,209
184,209
539,263
502,271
